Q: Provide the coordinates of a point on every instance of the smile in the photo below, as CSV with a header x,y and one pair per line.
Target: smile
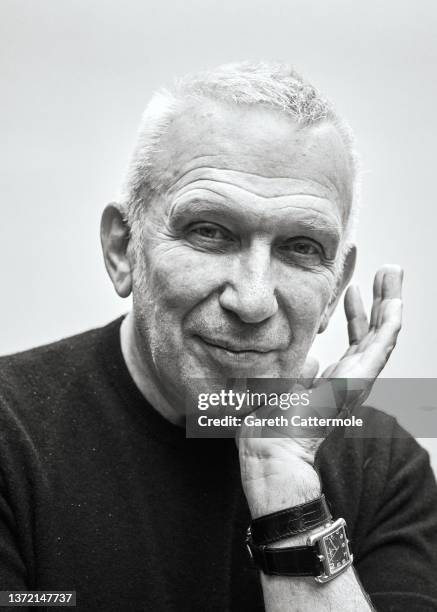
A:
x,y
237,349
231,355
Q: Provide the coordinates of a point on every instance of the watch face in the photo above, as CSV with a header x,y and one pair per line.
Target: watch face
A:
x,y
337,549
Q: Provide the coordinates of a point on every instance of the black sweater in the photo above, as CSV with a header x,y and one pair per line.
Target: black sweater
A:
x,y
101,495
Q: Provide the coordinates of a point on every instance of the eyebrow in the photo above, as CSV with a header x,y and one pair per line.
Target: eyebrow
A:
x,y
196,204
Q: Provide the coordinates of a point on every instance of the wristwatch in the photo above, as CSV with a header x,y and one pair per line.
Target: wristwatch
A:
x,y
326,555
291,521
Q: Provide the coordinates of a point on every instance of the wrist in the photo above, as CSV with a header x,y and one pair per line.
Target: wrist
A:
x,y
275,492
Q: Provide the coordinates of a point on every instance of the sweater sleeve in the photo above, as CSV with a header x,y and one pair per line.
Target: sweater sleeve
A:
x,y
398,562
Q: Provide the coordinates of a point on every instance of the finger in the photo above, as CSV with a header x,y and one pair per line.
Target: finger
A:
x,y
392,282
391,288
391,319
377,296
357,324
384,340
309,371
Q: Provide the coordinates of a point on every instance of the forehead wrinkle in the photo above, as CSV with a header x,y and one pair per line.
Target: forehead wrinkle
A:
x,y
171,172
211,171
305,184
257,175
207,185
317,214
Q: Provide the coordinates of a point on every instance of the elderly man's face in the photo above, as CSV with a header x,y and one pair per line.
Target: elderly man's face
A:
x,y
239,254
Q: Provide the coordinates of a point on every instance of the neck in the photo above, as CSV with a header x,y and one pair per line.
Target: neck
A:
x,y
141,374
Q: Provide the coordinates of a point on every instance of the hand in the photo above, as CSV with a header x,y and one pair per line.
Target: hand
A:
x,y
370,344
277,472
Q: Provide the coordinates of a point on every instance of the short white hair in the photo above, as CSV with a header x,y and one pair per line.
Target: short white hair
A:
x,y
274,85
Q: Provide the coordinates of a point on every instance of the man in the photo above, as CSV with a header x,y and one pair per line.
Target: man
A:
x,y
234,237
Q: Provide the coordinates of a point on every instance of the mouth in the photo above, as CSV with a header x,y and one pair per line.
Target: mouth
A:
x,y
237,348
228,353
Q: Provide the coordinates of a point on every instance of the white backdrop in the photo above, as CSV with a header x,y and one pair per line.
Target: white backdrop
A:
x,y
76,76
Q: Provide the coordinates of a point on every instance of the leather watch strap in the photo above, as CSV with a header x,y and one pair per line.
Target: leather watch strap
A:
x,y
278,525
296,561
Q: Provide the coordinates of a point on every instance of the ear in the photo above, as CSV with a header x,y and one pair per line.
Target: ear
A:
x,y
342,282
114,236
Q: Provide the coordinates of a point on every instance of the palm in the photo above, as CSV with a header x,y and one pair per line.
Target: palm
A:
x,y
371,343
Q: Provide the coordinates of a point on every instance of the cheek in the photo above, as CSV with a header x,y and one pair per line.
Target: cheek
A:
x,y
307,295
178,278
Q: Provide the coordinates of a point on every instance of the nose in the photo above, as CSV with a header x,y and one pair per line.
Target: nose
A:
x,y
250,290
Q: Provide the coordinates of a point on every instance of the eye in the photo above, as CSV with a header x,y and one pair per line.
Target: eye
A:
x,y
305,248
302,250
211,232
210,236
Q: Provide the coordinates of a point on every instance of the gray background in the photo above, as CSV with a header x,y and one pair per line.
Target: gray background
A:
x,y
75,77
